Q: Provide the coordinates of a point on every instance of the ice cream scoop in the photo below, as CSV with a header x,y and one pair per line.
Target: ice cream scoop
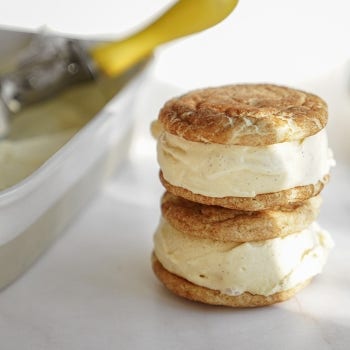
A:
x,y
53,63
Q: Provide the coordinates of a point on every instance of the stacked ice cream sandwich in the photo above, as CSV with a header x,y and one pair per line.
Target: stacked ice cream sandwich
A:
x,y
243,166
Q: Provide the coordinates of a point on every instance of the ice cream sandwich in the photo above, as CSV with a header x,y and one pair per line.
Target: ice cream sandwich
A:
x,y
243,166
246,147
227,257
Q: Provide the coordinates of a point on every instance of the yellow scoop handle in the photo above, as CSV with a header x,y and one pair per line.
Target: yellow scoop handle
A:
x,y
184,18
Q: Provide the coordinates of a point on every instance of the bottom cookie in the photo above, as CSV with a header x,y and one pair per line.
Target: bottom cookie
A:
x,y
188,290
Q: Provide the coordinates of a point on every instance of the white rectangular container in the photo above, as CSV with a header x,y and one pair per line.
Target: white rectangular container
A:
x,y
34,211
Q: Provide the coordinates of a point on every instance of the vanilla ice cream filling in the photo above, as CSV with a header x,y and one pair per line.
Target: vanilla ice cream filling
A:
x,y
217,170
261,267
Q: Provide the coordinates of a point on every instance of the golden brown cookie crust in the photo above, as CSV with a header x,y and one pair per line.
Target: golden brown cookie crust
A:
x,y
230,225
188,290
246,114
259,202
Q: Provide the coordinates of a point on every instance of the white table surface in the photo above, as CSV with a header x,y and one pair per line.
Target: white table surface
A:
x,y
94,289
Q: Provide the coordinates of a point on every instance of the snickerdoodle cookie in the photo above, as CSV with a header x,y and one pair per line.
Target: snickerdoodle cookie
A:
x,y
248,147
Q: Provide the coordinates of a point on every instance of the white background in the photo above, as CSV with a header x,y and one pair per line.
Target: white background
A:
x,y
272,40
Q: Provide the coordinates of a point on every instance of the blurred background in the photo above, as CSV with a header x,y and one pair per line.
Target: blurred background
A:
x,y
299,43
271,40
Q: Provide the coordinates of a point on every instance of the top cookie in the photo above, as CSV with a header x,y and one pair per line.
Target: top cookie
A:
x,y
246,114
